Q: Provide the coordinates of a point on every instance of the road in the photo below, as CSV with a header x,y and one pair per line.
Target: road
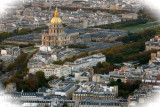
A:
x,y
9,74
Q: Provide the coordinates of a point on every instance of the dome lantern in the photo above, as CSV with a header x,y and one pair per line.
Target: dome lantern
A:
x,y
56,19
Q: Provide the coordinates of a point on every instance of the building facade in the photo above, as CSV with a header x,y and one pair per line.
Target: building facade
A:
x,y
51,69
153,44
56,35
95,91
86,62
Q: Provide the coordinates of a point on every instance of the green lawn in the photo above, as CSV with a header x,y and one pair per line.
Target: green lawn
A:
x,y
156,28
32,48
140,26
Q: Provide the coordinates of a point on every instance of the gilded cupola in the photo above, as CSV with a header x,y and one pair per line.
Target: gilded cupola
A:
x,y
56,19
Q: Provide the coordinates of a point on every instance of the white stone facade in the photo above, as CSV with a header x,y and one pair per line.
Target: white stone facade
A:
x,y
51,69
87,62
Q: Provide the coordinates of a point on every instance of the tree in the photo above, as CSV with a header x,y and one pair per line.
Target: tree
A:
x,y
6,82
17,61
105,64
118,81
65,105
81,46
52,77
32,84
41,78
99,65
62,78
127,23
112,83
125,89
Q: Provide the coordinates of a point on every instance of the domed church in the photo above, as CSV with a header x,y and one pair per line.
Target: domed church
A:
x,y
56,36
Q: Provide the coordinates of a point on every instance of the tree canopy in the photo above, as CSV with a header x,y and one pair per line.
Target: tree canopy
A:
x,y
125,89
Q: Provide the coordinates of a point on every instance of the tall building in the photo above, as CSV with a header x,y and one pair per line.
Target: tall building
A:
x,y
56,36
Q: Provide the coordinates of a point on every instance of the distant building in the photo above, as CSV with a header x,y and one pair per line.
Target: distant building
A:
x,y
8,56
31,99
131,63
155,58
84,76
54,83
56,35
153,44
98,78
67,91
95,91
51,69
144,96
128,75
130,16
99,103
86,62
15,51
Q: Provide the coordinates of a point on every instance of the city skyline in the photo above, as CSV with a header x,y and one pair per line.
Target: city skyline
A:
x,y
79,53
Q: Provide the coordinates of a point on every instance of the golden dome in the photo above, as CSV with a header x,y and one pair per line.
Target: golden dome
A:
x,y
56,19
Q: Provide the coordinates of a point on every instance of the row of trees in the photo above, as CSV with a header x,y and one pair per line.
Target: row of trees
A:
x,y
134,37
112,11
118,54
23,31
123,24
145,13
21,62
18,61
24,65
80,46
27,45
29,83
133,49
142,57
104,68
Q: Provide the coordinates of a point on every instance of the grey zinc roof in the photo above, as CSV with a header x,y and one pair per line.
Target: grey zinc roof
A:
x,y
68,87
100,101
20,94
